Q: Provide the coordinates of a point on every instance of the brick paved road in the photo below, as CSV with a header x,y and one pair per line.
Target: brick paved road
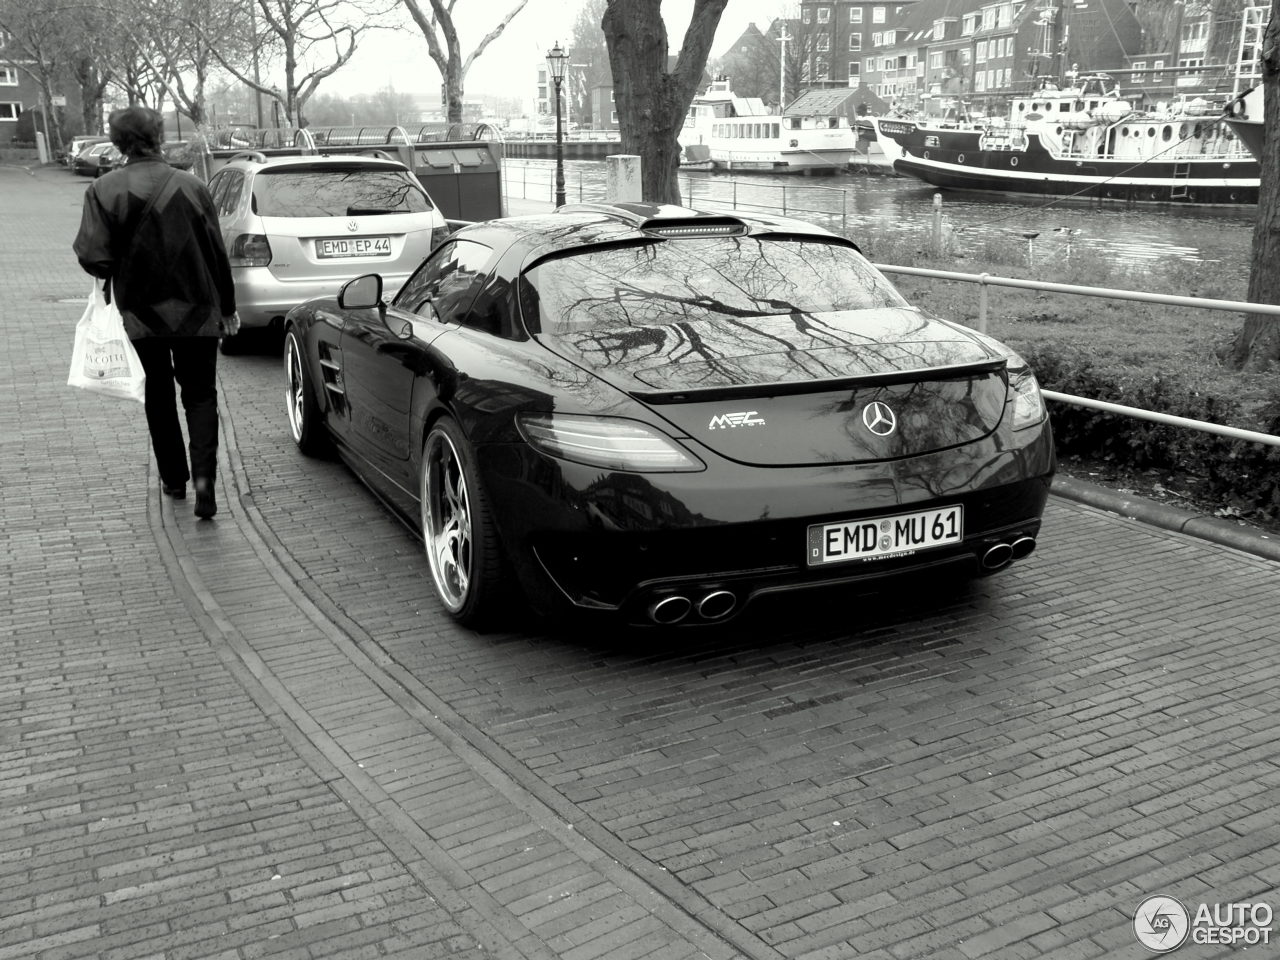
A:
x,y
260,737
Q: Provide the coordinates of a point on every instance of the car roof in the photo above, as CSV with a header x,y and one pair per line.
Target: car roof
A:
x,y
589,224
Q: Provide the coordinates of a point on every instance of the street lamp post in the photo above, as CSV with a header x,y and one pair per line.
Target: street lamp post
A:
x,y
556,61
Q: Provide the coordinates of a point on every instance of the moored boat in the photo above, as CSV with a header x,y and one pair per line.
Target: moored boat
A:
x,y
1244,116
1085,140
741,134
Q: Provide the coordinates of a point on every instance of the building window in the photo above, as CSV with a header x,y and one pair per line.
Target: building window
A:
x,y
824,43
935,60
877,14
855,14
989,18
980,52
1190,62
10,111
855,68
980,81
8,76
969,25
824,14
807,16
871,64
855,41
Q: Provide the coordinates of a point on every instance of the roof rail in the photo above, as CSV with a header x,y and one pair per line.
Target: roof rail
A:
x,y
257,156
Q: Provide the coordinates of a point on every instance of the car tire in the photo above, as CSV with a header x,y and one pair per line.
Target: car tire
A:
x,y
469,571
301,406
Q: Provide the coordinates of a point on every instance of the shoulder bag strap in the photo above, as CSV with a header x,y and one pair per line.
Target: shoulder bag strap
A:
x,y
162,190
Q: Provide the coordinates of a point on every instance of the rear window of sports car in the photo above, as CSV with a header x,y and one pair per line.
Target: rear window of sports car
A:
x,y
682,281
336,193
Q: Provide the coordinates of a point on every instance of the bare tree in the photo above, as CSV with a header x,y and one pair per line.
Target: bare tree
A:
x,y
168,47
39,46
651,101
1257,344
446,49
314,38
588,62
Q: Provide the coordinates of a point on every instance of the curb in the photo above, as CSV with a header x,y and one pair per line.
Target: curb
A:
x,y
1226,533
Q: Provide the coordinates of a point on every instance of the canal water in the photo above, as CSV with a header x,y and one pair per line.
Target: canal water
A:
x,y
867,205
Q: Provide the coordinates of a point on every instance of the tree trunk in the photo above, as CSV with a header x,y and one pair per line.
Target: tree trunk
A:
x,y
1257,344
651,102
453,93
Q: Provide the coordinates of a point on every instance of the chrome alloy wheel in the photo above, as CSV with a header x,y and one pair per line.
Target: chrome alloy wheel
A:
x,y
446,520
295,387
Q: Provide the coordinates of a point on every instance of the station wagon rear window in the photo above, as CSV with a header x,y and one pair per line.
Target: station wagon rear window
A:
x,y
688,280
336,192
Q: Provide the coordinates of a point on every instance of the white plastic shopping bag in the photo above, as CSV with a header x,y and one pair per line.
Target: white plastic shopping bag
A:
x,y
103,359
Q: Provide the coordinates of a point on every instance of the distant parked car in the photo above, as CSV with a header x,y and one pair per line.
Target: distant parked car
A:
x,y
77,145
177,153
110,159
88,162
299,227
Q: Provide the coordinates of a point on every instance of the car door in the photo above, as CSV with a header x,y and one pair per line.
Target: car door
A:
x,y
386,355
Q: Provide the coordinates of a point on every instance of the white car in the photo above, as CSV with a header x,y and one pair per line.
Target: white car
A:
x,y
299,227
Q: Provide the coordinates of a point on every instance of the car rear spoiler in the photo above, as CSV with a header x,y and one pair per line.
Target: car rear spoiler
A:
x,y
746,390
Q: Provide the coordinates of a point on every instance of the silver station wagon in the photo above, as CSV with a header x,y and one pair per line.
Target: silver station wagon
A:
x,y
296,228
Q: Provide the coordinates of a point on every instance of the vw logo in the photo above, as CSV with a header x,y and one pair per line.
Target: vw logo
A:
x,y
879,419
352,226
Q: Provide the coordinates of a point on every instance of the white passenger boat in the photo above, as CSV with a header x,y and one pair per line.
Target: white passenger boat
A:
x,y
741,134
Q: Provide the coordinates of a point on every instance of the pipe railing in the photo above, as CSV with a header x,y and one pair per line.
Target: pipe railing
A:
x,y
1235,306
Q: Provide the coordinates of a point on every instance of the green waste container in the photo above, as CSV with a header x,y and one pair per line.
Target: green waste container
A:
x,y
464,179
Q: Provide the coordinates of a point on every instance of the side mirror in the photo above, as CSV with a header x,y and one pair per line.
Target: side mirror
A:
x,y
362,293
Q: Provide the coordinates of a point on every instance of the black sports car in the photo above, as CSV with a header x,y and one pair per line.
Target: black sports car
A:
x,y
664,414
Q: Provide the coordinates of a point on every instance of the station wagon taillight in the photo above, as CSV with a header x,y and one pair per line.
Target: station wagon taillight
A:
x,y
439,235
250,250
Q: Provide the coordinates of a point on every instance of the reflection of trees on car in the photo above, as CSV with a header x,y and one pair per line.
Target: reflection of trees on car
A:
x,y
775,294
332,193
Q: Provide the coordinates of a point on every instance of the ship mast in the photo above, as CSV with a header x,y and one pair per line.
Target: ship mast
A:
x,y
782,68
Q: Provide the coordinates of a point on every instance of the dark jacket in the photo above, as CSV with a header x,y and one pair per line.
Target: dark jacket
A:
x,y
175,279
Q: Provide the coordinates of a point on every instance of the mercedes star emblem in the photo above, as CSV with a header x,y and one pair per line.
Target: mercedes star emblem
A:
x,y
879,419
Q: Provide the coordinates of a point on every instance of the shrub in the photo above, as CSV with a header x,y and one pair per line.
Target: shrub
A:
x,y
1243,477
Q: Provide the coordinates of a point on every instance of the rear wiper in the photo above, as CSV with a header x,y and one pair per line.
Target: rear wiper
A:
x,y
367,211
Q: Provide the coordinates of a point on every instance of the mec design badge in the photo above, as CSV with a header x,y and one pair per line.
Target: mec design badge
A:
x,y
745,418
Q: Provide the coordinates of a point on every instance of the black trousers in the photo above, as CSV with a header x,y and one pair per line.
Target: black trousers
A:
x,y
193,363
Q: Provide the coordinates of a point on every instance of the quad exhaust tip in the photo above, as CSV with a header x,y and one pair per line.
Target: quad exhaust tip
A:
x,y
997,557
717,605
670,610
675,607
1001,555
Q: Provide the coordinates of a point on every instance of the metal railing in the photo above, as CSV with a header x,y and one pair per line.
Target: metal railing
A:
x,y
986,280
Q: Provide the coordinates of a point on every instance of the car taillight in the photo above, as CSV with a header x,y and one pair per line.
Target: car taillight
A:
x,y
608,442
438,235
250,250
1028,404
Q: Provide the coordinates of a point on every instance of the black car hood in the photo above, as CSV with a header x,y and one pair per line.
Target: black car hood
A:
x,y
791,389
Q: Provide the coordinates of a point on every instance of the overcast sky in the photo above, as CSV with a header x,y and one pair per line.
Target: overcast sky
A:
x,y
506,68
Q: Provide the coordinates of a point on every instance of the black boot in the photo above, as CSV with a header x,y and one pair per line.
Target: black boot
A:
x,y
206,505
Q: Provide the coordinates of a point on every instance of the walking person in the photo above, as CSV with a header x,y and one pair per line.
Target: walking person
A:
x,y
151,233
